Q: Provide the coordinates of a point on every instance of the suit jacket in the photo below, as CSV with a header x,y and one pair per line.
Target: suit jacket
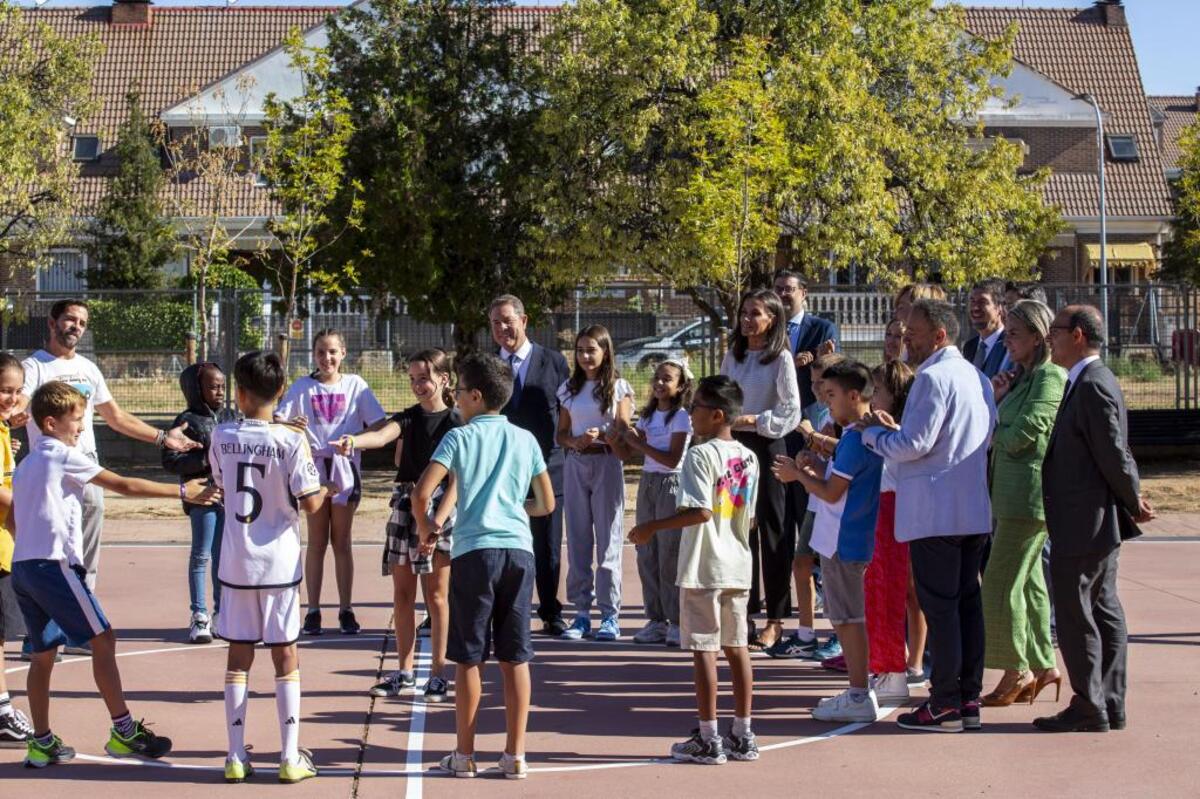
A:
x,y
1025,419
1090,482
814,331
995,358
940,453
536,410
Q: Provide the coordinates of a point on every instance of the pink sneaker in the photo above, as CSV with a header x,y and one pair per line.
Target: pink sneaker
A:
x,y
835,663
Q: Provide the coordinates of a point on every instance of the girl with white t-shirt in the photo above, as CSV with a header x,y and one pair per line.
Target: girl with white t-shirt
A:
x,y
595,407
662,435
329,405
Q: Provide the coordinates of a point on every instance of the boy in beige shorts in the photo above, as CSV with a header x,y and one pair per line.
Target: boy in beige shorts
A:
x,y
717,490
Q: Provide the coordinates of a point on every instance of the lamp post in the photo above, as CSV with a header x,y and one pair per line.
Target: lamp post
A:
x,y
1103,216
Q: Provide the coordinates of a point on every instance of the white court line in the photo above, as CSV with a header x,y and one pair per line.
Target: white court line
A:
x,y
414,765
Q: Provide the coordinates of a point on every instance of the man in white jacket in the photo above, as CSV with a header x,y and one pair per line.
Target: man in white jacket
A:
x,y
940,458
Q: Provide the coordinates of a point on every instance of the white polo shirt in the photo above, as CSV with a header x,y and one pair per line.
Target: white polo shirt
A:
x,y
48,502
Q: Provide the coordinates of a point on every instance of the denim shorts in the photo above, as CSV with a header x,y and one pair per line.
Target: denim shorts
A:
x,y
491,600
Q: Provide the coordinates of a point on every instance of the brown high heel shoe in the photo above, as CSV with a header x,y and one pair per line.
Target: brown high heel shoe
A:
x,y
1012,685
1050,676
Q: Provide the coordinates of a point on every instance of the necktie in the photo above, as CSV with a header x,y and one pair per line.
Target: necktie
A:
x,y
980,355
514,363
793,331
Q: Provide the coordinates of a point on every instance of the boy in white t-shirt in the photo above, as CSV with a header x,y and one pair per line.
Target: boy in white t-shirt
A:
x,y
49,575
268,476
717,491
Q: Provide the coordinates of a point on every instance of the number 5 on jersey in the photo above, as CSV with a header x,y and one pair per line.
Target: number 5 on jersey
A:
x,y
244,486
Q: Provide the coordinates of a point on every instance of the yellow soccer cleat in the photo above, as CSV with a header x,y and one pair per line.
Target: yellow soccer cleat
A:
x,y
290,773
236,771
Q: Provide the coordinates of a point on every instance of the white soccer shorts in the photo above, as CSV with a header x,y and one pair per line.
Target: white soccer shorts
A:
x,y
251,615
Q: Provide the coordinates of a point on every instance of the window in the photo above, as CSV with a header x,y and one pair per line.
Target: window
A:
x,y
258,152
64,272
85,148
1122,147
224,136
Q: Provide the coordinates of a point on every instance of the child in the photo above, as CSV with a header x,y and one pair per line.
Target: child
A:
x,y
844,532
595,407
496,464
14,726
49,577
886,580
893,342
203,387
329,405
267,474
817,429
662,435
717,491
420,429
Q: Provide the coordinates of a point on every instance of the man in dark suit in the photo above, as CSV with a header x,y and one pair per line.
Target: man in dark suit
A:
x,y
1090,488
807,332
537,374
986,310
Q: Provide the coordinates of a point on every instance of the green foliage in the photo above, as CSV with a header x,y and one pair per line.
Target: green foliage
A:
x,y
44,79
131,239
1181,256
155,324
444,104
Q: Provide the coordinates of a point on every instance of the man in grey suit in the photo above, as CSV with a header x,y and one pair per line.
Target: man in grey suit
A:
x,y
1090,488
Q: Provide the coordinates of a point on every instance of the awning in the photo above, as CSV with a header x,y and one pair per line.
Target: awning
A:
x,y
1128,253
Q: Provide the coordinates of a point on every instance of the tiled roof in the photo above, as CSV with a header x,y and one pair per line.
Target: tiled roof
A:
x,y
1177,113
1075,48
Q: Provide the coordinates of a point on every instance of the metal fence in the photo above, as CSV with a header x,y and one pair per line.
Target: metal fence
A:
x,y
141,339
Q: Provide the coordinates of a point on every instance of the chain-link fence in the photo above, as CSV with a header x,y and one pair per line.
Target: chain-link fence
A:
x,y
142,340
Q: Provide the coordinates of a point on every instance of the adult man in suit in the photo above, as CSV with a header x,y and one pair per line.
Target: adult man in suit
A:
x,y
1090,487
986,310
537,374
807,333
943,508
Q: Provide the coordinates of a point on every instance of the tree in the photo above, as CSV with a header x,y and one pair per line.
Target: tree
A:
x,y
1181,255
442,98
45,84
686,132
304,167
130,239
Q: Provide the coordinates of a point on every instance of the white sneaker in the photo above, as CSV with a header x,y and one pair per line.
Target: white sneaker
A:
x,y
200,632
655,632
513,767
673,635
844,709
890,688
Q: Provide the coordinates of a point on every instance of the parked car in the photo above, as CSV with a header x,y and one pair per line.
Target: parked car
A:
x,y
648,352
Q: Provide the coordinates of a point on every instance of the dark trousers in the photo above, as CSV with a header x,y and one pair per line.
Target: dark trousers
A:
x,y
946,571
547,556
797,497
1091,629
772,545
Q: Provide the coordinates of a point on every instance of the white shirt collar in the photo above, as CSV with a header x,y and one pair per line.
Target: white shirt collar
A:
x,y
798,319
1078,368
522,352
991,340
944,352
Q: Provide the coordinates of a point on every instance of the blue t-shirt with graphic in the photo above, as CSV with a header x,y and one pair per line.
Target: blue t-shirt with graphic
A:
x,y
847,527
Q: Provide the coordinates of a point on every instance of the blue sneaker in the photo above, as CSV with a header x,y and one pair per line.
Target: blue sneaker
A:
x,y
609,630
830,649
582,626
793,647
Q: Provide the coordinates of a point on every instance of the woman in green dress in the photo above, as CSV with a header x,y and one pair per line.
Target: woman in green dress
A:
x,y
1016,605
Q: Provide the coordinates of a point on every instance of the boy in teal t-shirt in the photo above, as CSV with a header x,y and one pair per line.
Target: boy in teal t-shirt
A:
x,y
495,465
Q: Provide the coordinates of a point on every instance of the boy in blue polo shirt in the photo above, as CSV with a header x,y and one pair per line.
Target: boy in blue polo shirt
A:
x,y
496,464
847,494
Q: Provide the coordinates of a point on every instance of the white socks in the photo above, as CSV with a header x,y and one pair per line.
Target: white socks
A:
x,y
708,729
235,713
806,633
287,706
741,726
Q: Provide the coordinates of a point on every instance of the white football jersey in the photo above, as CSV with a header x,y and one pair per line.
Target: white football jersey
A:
x,y
263,469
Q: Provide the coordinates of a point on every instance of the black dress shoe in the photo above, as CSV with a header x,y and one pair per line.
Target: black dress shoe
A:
x,y
554,627
1116,719
1071,720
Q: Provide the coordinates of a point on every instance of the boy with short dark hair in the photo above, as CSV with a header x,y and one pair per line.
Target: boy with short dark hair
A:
x,y
49,575
495,464
718,487
847,494
267,473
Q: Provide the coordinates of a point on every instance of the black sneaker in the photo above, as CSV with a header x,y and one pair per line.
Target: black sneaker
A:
x,y
141,742
926,719
744,748
698,750
554,627
348,623
312,623
970,715
15,730
394,684
436,690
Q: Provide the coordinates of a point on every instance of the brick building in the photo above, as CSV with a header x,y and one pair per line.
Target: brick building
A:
x,y
1173,113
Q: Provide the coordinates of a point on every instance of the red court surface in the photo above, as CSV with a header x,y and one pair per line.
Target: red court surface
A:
x,y
604,714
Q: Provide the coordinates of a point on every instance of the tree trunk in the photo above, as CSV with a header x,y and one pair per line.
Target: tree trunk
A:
x,y
203,300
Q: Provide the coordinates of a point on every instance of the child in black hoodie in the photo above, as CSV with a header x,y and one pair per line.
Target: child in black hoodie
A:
x,y
203,386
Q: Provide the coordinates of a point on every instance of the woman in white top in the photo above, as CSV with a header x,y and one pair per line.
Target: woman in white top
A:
x,y
595,407
329,405
771,409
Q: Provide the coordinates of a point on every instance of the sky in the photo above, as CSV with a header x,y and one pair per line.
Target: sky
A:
x,y
1164,32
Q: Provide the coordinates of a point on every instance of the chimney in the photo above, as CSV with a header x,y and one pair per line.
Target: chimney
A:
x,y
1112,12
131,13
1198,99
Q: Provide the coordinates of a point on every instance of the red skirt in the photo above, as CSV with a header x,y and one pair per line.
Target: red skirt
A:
x,y
886,585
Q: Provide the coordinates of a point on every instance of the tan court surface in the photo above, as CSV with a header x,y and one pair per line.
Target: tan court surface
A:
x,y
604,714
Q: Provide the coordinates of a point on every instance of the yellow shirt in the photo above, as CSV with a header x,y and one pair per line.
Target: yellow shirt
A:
x,y
6,470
